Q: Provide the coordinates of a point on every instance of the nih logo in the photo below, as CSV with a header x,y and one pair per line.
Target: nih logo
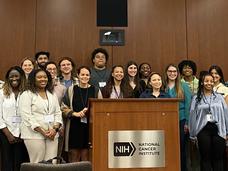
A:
x,y
124,149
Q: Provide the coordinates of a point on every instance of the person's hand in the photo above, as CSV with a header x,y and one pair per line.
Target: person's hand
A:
x,y
80,114
45,133
9,135
61,131
11,138
186,130
65,109
18,139
51,134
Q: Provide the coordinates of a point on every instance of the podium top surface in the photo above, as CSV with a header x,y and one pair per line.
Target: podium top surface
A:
x,y
136,99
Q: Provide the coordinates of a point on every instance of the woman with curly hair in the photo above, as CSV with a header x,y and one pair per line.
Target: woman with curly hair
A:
x,y
41,117
188,70
144,73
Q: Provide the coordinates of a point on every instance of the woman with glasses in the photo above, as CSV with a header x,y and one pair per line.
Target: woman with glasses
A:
x,y
177,89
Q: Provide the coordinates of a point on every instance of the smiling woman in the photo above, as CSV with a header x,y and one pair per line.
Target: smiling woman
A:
x,y
41,117
132,79
27,64
177,89
76,113
209,124
116,85
155,89
13,150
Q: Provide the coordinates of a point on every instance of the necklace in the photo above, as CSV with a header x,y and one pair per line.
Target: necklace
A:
x,y
84,100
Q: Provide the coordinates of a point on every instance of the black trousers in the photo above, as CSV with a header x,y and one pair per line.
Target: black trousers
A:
x,y
12,154
211,148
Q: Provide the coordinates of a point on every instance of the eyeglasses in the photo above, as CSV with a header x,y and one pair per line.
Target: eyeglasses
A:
x,y
172,71
51,69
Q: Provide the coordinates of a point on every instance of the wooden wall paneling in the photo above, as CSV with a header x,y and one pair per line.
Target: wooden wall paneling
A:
x,y
207,32
67,28
156,33
17,35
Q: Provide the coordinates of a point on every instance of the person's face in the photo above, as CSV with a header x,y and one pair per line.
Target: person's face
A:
x,y
132,70
172,73
27,66
99,60
216,76
41,80
208,83
14,78
145,70
42,60
118,73
187,71
84,76
155,81
51,68
66,67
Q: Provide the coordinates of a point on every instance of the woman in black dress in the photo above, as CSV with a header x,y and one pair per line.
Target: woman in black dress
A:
x,y
77,127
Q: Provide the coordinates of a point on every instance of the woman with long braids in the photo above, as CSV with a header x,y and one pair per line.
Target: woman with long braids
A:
x,y
208,124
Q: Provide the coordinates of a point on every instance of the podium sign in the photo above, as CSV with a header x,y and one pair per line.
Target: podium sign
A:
x,y
136,149
135,134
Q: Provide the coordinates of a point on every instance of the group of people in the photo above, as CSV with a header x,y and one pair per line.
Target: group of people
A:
x,y
44,106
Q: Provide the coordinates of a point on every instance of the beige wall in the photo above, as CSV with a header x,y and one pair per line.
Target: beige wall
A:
x,y
158,32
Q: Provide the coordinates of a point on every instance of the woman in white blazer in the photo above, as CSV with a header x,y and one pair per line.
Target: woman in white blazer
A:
x,y
41,117
13,150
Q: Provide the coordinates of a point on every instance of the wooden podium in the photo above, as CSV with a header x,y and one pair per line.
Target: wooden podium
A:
x,y
134,114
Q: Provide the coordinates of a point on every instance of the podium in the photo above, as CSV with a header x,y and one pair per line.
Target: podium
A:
x,y
148,123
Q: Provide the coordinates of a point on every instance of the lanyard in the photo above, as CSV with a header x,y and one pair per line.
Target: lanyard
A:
x,y
84,100
116,93
208,102
17,102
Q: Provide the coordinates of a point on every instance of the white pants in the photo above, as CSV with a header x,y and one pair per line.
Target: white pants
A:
x,y
41,149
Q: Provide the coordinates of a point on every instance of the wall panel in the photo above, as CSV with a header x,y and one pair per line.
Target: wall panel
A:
x,y
208,33
159,32
67,28
156,33
17,32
